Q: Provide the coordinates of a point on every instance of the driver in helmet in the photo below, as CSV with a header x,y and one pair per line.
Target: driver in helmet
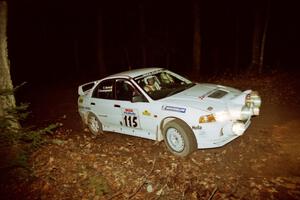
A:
x,y
150,85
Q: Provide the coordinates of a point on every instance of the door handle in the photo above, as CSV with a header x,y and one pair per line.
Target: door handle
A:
x,y
117,106
93,103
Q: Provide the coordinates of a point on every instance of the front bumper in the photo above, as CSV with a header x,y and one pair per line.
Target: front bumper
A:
x,y
217,134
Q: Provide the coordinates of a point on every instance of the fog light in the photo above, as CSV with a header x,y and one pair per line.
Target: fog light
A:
x,y
255,111
256,101
238,128
253,99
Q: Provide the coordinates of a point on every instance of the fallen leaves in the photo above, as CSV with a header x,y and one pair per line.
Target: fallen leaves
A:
x,y
73,165
275,88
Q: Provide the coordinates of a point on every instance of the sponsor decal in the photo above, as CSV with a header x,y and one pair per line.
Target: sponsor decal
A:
x,y
175,109
106,89
148,74
146,113
129,111
197,127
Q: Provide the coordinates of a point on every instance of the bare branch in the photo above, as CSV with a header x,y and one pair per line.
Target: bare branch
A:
x,y
143,182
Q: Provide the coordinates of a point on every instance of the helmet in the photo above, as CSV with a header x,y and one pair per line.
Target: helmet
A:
x,y
150,80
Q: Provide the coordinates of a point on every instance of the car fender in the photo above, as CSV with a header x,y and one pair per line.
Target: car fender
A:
x,y
190,117
165,121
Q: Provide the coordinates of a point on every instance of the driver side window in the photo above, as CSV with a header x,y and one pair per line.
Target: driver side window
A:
x,y
126,92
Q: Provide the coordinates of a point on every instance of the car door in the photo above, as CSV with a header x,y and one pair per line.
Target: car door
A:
x,y
103,105
135,111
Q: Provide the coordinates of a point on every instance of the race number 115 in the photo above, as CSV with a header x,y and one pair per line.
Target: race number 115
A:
x,y
130,121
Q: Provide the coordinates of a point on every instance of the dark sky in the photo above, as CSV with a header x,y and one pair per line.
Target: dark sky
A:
x,y
51,40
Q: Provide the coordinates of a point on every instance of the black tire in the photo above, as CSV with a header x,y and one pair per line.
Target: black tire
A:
x,y
179,138
94,124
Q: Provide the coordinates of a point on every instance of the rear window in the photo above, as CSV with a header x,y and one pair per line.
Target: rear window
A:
x,y
88,86
218,94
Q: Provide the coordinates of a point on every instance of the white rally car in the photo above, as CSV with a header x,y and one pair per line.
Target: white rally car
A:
x,y
158,104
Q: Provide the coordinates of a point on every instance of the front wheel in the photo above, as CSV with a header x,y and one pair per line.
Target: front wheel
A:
x,y
179,138
94,125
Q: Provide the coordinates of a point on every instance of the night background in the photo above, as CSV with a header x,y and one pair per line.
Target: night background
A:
x,y
60,40
55,46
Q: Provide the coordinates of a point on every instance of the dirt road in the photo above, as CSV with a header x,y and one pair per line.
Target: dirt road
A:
x,y
264,163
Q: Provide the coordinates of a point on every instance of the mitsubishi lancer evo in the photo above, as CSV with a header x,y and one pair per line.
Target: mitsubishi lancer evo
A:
x,y
158,104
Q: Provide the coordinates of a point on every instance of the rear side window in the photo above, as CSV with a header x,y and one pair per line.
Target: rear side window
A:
x,y
104,90
88,86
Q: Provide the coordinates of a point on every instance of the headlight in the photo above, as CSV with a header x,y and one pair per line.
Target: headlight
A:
x,y
246,112
207,118
238,128
253,98
222,116
255,111
256,101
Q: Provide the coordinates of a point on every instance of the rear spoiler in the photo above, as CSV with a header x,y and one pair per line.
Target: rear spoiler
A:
x,y
83,89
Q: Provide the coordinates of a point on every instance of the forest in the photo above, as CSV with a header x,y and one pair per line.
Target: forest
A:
x,y
77,39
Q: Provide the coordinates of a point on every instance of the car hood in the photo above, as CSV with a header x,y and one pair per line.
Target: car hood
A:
x,y
206,97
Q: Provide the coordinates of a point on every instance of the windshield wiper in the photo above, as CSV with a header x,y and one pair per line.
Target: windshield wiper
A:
x,y
176,91
189,85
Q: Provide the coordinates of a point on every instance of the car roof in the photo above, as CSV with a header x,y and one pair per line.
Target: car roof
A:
x,y
135,72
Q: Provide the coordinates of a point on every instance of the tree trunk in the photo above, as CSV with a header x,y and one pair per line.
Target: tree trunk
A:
x,y
197,38
143,34
237,45
100,54
256,42
7,102
76,54
167,48
263,41
127,59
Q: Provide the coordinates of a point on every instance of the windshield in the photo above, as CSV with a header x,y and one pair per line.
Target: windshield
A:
x,y
162,84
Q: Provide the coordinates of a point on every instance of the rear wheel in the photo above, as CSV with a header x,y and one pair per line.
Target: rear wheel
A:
x,y
179,138
94,125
